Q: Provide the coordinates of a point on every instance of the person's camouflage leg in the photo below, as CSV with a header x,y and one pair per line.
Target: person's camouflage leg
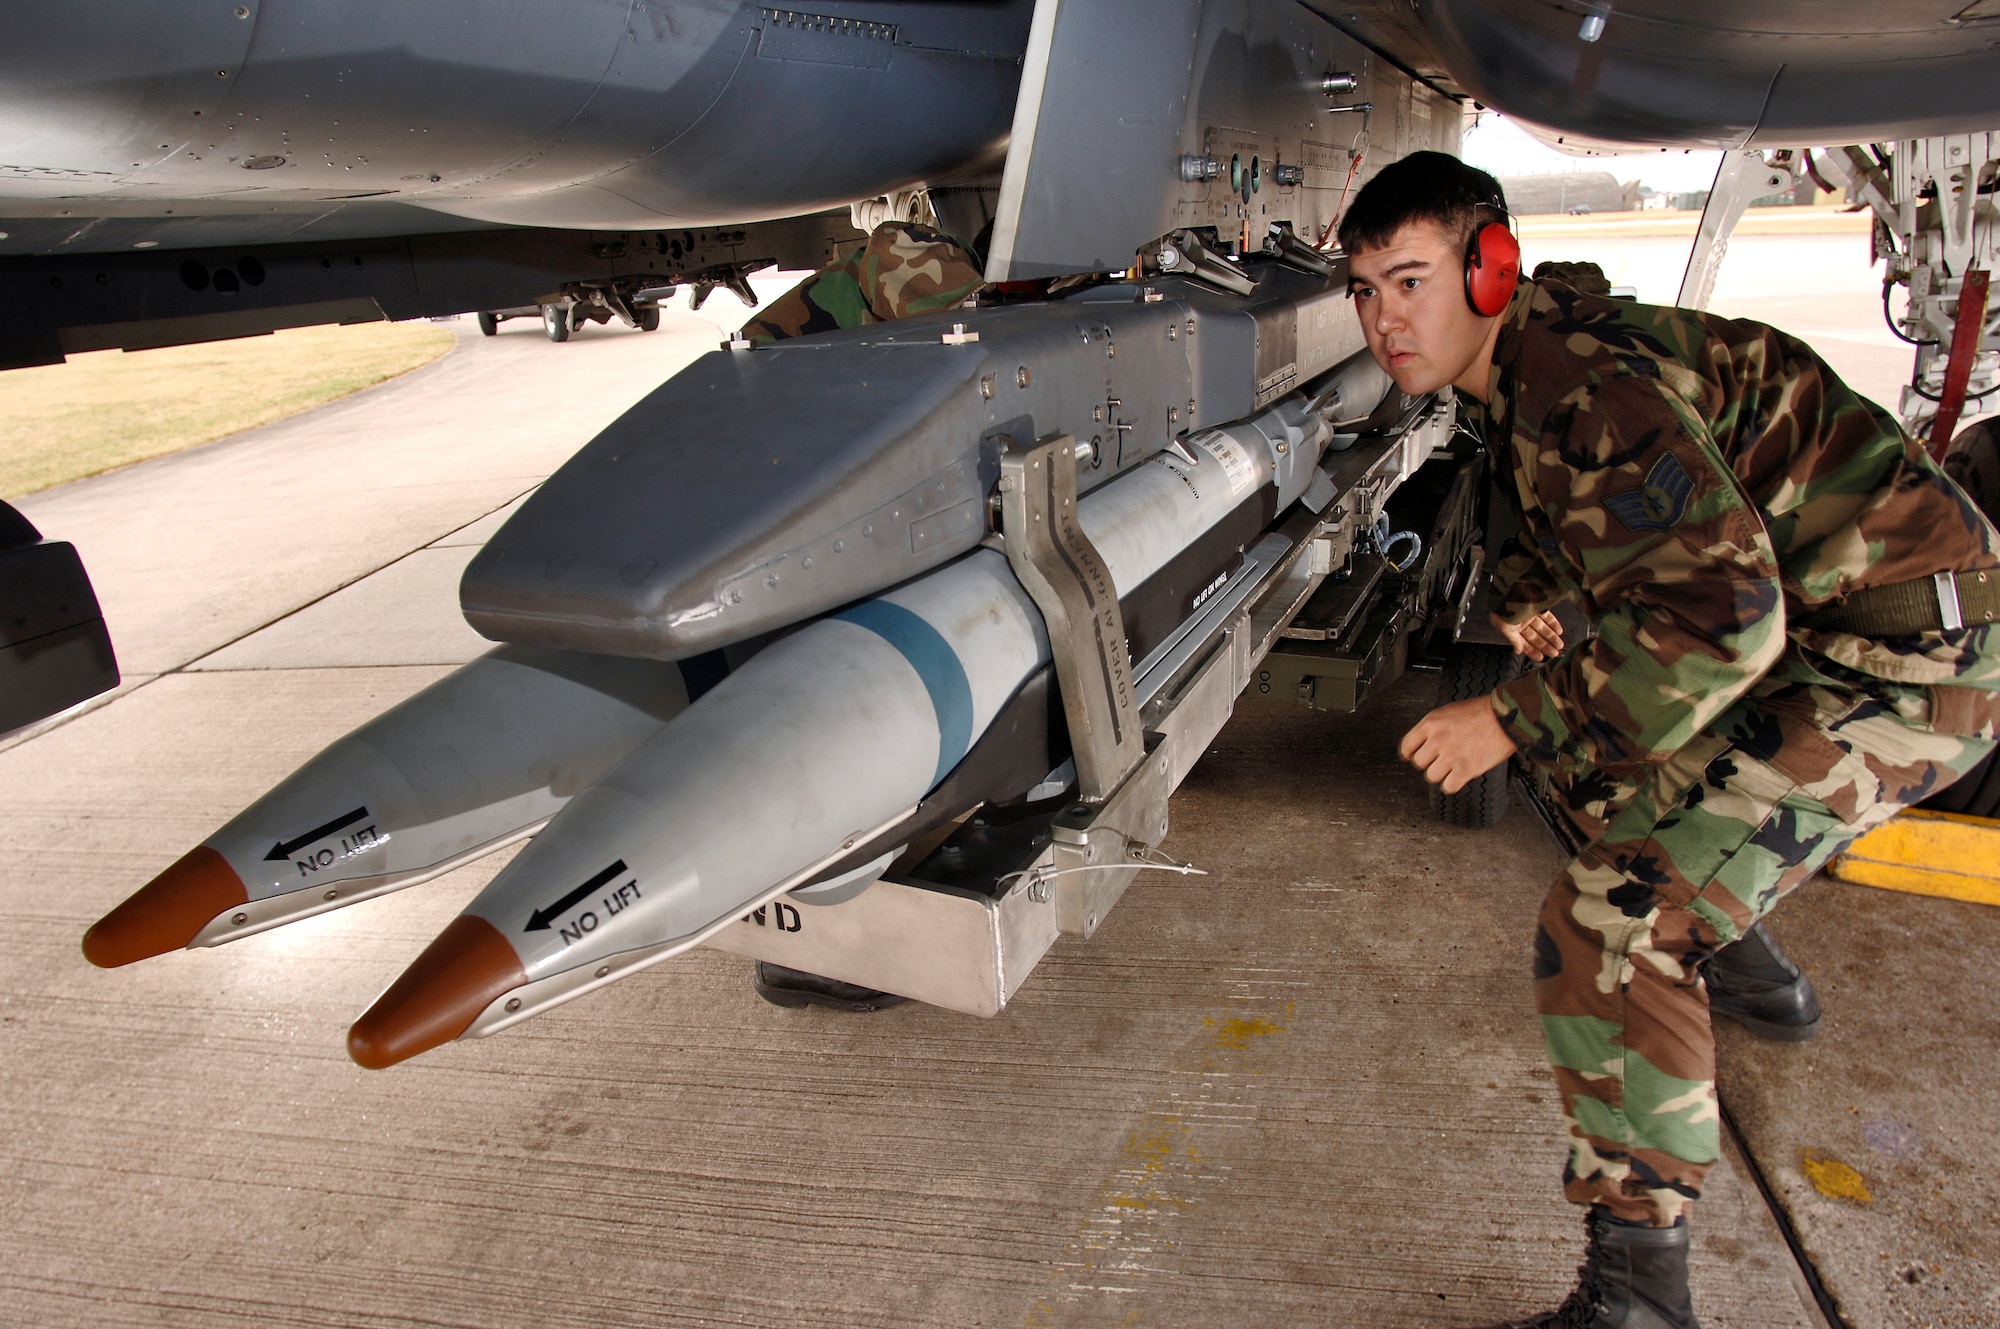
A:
x,y
903,270
1720,833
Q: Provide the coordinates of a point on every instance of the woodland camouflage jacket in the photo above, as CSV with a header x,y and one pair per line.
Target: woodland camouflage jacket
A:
x,y
1697,485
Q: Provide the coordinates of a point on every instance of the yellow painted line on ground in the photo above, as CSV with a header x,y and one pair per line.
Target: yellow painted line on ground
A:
x,y
1928,853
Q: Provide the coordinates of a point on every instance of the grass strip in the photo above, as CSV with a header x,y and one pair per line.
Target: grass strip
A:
x,y
106,409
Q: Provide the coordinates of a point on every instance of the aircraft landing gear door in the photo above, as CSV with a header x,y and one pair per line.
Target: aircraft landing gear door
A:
x,y
54,648
1741,177
1122,779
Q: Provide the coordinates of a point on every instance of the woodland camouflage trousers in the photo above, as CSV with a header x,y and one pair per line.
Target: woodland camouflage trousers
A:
x,y
1677,866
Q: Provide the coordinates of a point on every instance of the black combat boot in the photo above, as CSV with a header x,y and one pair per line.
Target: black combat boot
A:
x,y
1631,1278
1751,982
795,987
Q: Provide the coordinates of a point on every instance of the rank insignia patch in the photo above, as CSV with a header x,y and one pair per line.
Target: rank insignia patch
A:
x,y
1659,503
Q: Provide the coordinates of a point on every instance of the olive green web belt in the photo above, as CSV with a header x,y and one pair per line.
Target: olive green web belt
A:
x,y
1902,609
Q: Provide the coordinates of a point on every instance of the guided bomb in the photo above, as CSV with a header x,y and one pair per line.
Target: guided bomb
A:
x,y
821,516
827,740
469,765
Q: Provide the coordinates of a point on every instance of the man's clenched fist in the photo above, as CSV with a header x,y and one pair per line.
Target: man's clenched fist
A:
x,y
1456,744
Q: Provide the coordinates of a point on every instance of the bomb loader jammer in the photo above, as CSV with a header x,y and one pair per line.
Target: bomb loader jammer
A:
x,y
952,642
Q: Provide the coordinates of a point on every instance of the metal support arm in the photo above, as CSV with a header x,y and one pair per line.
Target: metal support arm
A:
x,y
1069,583
1741,177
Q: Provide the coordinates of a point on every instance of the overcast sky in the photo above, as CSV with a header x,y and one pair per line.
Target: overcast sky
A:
x,y
1499,146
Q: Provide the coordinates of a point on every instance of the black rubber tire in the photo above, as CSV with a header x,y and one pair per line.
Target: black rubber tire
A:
x,y
1473,669
647,317
555,322
488,325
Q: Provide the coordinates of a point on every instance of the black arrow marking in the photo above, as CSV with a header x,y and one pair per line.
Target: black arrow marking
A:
x,y
285,848
539,920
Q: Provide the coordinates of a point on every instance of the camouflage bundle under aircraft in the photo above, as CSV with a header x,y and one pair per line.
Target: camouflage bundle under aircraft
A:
x,y
875,642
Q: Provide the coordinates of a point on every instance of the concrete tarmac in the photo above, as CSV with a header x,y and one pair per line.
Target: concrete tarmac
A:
x,y
1304,1089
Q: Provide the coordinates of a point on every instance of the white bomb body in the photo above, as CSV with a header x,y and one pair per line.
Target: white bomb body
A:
x,y
470,764
830,736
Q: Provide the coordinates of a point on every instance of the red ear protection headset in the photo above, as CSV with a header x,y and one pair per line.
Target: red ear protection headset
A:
x,y
1492,266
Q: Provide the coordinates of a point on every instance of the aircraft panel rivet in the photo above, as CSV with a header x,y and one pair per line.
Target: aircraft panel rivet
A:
x,y
1021,376
243,11
603,971
513,1004
239,919
333,895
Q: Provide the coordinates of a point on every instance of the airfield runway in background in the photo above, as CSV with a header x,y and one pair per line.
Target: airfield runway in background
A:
x,y
1305,1089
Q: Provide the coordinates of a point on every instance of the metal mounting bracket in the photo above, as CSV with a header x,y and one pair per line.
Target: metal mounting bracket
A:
x,y
1096,849
1068,581
1122,789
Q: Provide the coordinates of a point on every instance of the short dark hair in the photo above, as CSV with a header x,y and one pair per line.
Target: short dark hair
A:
x,y
1435,187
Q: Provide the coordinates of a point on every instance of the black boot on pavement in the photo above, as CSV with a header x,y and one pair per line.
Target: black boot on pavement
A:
x,y
1631,1278
1751,982
795,987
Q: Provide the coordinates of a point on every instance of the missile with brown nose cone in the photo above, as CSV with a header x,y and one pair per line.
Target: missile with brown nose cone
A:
x,y
822,748
472,763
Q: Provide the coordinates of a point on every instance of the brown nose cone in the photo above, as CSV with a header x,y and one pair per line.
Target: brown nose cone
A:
x,y
439,996
166,913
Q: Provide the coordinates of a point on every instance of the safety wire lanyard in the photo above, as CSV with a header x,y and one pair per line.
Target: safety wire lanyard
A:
x,y
1042,874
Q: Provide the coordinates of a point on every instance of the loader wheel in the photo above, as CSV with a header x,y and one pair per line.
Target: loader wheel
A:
x,y
1473,669
555,322
488,325
646,317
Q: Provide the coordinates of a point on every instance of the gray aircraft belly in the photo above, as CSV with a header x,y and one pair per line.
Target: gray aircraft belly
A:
x,y
587,114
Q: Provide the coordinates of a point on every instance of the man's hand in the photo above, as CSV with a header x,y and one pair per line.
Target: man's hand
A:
x,y
1456,744
1540,638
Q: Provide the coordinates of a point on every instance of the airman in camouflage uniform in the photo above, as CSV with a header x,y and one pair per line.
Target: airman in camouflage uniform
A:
x,y
1701,487
905,269
1710,495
